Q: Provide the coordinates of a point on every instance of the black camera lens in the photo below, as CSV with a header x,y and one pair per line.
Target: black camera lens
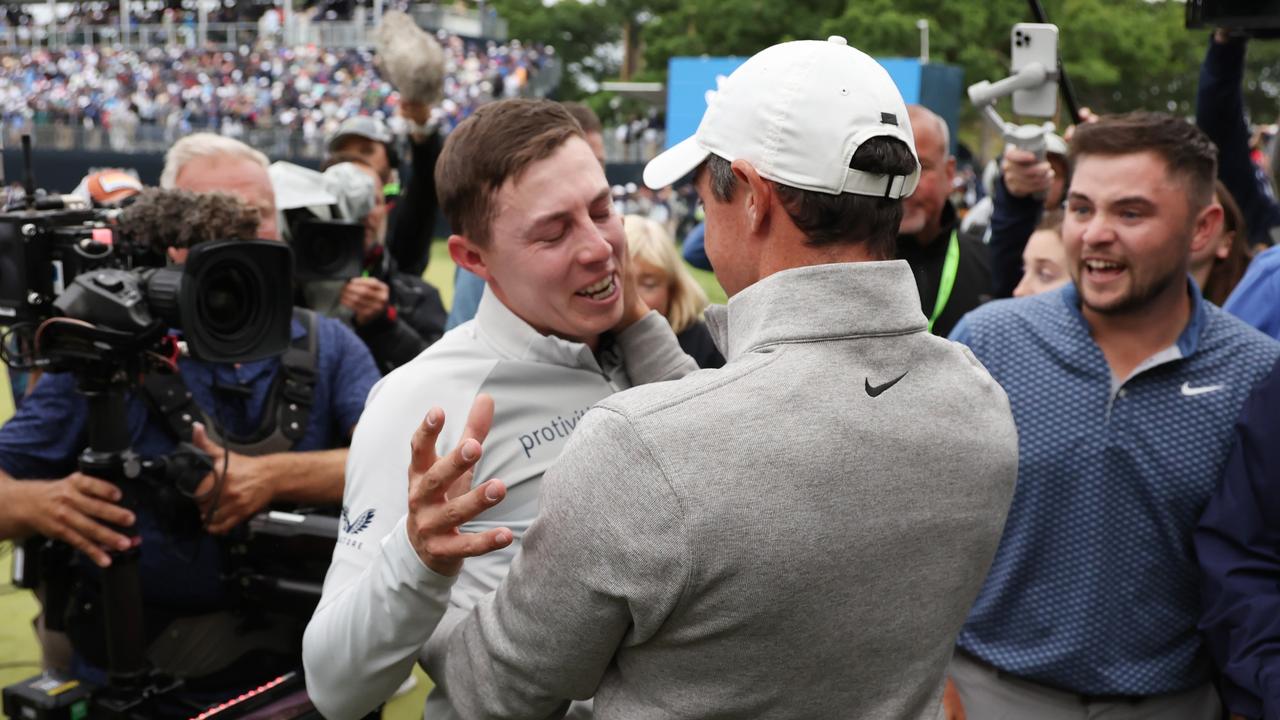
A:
x,y
235,301
230,301
328,254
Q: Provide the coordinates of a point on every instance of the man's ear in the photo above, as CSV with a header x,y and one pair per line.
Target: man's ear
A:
x,y
468,256
1208,225
759,197
177,256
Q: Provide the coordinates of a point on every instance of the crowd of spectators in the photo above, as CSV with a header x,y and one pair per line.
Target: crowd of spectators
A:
x,y
175,91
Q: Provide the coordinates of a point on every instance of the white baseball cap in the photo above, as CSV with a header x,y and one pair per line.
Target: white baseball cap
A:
x,y
798,112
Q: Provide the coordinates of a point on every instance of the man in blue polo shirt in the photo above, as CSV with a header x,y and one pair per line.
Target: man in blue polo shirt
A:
x,y
1124,386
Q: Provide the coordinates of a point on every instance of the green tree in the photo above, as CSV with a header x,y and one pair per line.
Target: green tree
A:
x,y
1120,54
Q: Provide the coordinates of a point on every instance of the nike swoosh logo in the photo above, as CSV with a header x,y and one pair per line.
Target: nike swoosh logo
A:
x,y
1189,391
876,390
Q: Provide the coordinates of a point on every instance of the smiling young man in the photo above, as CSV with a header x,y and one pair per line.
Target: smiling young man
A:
x,y
556,332
1124,385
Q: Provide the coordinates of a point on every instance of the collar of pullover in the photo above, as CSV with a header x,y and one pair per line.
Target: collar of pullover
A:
x,y
819,302
516,339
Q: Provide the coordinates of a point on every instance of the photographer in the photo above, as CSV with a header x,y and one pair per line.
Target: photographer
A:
x,y
411,214
396,314
192,628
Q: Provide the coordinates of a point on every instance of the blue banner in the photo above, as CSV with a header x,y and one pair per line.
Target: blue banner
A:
x,y
689,79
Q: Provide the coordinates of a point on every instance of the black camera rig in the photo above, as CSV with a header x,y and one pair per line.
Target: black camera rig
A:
x,y
79,296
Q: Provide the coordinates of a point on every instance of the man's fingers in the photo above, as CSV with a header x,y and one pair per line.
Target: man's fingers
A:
x,y
1019,156
464,508
100,536
200,438
422,447
104,511
225,517
462,485
95,553
480,419
465,545
447,471
93,487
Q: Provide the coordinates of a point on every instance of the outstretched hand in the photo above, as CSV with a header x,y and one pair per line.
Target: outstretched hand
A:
x,y
441,497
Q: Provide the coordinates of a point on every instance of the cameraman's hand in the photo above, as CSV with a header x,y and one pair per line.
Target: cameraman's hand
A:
x,y
367,298
440,498
246,489
633,306
1023,174
74,510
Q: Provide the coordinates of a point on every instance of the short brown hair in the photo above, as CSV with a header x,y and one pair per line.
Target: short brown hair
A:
x,y
1226,272
496,144
1051,220
585,116
1187,151
828,219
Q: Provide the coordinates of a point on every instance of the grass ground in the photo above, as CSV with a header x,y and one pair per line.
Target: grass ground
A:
x,y
19,653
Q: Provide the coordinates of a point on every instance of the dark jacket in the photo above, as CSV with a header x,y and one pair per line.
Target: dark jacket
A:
x,y
973,276
413,216
1238,546
414,319
1013,220
696,342
1220,113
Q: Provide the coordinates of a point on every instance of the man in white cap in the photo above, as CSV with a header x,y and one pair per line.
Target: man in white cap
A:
x,y
772,539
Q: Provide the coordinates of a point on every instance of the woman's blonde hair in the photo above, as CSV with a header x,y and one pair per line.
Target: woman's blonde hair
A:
x,y
648,240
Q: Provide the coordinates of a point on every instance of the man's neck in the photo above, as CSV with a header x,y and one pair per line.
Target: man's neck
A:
x,y
1128,339
796,254
592,341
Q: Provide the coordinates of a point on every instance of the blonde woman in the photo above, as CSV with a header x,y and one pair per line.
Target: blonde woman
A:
x,y
666,286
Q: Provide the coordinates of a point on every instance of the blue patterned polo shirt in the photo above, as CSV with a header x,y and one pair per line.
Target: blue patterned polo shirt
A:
x,y
1094,586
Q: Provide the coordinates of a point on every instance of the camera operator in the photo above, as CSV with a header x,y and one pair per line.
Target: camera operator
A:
x,y
192,630
396,314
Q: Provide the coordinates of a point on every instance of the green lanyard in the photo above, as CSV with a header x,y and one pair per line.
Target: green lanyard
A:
x,y
948,280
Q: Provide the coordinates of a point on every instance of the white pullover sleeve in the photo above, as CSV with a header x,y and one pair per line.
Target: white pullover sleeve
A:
x,y
380,603
362,643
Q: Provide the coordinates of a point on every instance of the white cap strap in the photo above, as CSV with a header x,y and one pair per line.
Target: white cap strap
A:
x,y
861,182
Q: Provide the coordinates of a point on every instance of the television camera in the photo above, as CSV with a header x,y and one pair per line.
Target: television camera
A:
x,y
79,294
